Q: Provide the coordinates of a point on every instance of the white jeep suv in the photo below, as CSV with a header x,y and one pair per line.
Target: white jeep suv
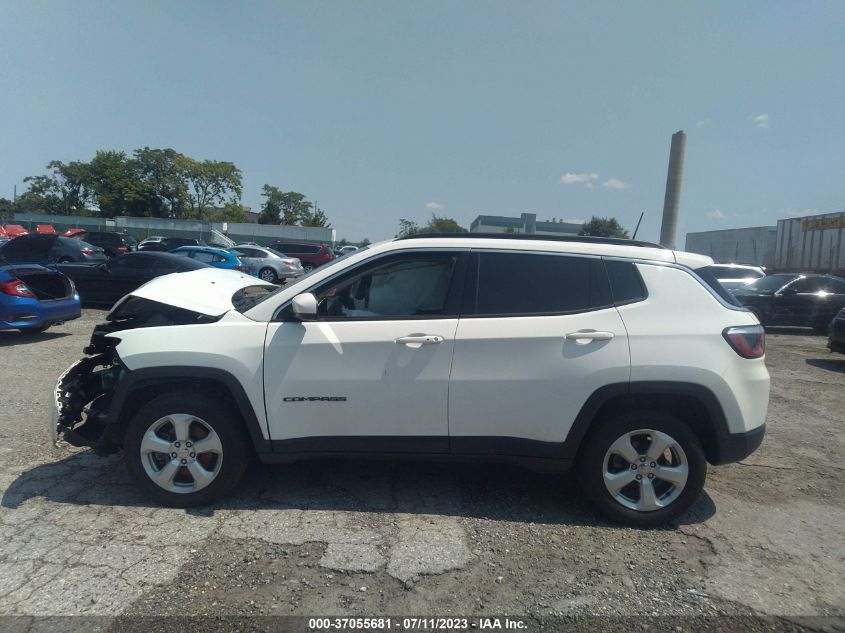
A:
x,y
624,359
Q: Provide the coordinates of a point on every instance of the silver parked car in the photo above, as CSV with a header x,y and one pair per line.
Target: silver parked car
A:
x,y
271,265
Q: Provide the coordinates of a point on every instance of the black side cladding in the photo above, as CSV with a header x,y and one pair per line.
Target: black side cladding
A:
x,y
85,391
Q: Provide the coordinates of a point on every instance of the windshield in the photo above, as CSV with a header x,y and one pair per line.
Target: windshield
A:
x,y
769,284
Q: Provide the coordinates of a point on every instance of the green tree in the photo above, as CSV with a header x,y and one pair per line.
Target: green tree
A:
x,y
435,225
603,227
64,189
118,189
271,208
162,170
442,225
407,228
210,184
365,242
315,218
290,208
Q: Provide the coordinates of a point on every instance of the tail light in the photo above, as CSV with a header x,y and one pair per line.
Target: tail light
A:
x,y
86,251
243,269
16,288
288,262
122,249
749,341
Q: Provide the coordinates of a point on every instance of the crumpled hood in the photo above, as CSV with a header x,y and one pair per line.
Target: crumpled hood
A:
x,y
208,291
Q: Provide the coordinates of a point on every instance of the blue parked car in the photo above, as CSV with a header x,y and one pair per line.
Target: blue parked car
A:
x,y
216,257
33,295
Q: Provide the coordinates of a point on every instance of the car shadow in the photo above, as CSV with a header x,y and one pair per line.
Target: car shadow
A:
x,y
831,364
9,338
792,331
498,492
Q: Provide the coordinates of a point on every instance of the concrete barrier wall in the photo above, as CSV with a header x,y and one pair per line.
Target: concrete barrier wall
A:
x,y
141,228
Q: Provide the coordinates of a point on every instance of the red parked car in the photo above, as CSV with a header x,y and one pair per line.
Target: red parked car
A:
x,y
45,229
14,230
311,255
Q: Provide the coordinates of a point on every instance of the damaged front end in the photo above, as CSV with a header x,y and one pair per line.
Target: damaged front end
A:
x,y
82,399
83,396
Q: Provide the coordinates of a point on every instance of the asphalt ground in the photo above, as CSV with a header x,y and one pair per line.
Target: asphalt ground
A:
x,y
762,549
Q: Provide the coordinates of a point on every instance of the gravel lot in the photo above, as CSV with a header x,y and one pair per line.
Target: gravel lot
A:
x,y
375,538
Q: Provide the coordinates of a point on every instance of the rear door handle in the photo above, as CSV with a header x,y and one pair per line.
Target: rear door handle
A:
x,y
418,340
583,338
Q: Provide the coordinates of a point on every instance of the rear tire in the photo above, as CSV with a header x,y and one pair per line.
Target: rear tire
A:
x,y
165,441
307,267
646,492
65,260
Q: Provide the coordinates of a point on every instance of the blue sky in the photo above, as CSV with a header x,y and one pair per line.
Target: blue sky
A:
x,y
382,110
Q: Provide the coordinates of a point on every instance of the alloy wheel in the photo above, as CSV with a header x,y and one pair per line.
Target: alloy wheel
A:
x,y
645,470
181,453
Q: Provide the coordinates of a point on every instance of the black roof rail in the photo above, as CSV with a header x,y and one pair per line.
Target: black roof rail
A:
x,y
588,239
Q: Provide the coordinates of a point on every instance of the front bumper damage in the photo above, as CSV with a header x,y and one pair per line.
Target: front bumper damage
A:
x,y
82,397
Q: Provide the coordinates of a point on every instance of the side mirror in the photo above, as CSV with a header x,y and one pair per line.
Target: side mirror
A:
x,y
304,307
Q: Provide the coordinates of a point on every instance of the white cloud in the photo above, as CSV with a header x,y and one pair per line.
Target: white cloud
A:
x,y
702,123
761,120
434,205
715,214
614,183
579,179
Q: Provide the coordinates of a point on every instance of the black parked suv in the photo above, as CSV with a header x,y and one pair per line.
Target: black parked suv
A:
x,y
113,244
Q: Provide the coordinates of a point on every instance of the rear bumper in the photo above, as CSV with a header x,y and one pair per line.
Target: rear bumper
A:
x,y
31,313
734,447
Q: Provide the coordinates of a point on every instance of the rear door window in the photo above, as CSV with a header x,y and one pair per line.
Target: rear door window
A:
x,y
512,284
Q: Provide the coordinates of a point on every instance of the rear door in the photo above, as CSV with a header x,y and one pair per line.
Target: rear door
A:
x,y
537,336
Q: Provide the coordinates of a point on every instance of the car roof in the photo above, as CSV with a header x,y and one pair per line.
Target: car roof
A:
x,y
205,249
607,247
188,263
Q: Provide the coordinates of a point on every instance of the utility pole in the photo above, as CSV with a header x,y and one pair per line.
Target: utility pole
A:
x,y
672,199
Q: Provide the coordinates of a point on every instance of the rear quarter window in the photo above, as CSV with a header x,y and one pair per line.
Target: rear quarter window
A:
x,y
626,285
708,275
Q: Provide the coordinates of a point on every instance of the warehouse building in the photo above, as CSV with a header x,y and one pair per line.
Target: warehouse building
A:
x,y
813,243
527,224
754,245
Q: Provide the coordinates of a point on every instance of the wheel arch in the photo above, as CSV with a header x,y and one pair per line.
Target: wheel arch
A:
x,y
140,385
695,404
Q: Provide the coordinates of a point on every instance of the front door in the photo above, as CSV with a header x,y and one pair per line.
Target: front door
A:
x,y
372,372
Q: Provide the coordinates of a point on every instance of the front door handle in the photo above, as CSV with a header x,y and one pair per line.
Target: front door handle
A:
x,y
585,337
418,340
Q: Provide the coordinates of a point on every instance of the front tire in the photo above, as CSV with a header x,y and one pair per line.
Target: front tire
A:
x,y
643,468
307,267
186,449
